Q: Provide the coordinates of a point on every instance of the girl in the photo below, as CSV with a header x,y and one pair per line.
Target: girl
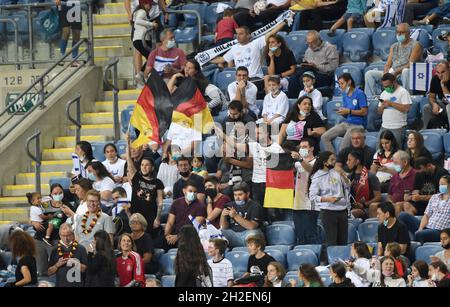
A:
x,y
83,150
275,275
393,250
419,275
361,255
416,147
198,167
130,266
386,277
101,267
276,103
383,162
103,182
39,219
113,163
337,273
308,277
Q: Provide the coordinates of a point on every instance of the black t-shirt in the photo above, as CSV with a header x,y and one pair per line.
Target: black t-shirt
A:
x,y
311,121
258,266
435,87
179,185
425,153
144,244
397,233
143,199
283,62
61,275
427,185
250,211
30,263
137,164
366,152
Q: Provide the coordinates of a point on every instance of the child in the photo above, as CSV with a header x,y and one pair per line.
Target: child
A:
x,y
152,283
393,250
198,167
276,103
355,12
225,28
37,215
221,267
308,90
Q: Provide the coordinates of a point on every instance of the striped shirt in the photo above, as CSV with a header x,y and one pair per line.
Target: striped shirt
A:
x,y
159,58
438,211
222,272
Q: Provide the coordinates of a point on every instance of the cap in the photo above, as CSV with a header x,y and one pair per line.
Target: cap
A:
x,y
309,74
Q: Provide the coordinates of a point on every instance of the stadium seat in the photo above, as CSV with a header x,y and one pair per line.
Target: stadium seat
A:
x,y
63,181
424,252
297,43
173,251
432,244
289,223
6,257
300,256
224,78
356,46
447,145
354,71
428,28
191,19
413,245
22,24
375,66
372,141
360,65
439,131
168,281
211,16
282,248
335,40
332,117
157,253
423,38
433,142
187,35
352,234
283,34
97,149
121,147
355,222
291,275
338,252
315,248
239,260
368,31
280,234
337,143
373,247
277,255
326,278
240,249
368,231
125,117
438,44
165,211
382,39
166,262
413,113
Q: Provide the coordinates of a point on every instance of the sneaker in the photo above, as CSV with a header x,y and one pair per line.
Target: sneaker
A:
x,y
47,241
75,64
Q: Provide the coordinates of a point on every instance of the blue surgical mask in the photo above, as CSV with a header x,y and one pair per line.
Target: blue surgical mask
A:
x,y
385,223
176,156
240,202
303,113
191,196
273,49
92,177
401,38
397,168
58,197
303,152
443,189
171,44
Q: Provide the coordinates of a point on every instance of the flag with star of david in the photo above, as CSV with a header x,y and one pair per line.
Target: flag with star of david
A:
x,y
420,75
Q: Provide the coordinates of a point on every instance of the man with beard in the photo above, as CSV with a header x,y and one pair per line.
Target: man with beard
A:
x,y
184,167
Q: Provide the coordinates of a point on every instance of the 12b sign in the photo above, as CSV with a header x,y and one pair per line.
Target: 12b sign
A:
x,y
24,104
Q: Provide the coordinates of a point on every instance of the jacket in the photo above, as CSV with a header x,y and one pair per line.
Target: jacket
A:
x,y
328,184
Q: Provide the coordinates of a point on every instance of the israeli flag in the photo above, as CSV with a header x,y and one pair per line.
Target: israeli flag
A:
x,y
420,75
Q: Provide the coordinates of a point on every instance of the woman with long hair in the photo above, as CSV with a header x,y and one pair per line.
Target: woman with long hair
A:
x,y
361,256
416,147
387,276
275,275
191,266
83,150
103,182
383,160
101,267
308,277
337,274
113,163
130,266
23,249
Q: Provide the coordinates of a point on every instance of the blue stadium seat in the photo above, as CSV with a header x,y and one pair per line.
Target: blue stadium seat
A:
x,y
326,278
433,142
424,252
375,66
300,256
447,145
428,28
368,31
97,149
382,40
125,117
22,24
315,248
191,19
423,38
282,248
355,222
337,143
186,36
360,65
372,141
6,257
354,71
283,34
438,44
240,249
352,234
165,211
338,252
439,131
211,16
356,46
413,113
121,147
289,223
334,118
280,234
368,231
63,181
291,275
432,244
168,281
277,255
224,78
157,253
239,260
413,245
166,263
297,43
335,40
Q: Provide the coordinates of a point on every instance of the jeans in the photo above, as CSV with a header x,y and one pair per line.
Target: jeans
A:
x,y
335,224
412,223
305,223
373,81
296,23
399,135
342,129
428,113
239,238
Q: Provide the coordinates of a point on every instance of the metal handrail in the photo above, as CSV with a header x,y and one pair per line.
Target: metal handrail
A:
x,y
115,87
77,121
16,37
36,158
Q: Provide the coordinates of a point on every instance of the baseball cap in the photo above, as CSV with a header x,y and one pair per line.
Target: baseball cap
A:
x,y
309,74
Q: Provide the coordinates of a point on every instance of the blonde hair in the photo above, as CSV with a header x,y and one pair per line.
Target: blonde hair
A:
x,y
140,219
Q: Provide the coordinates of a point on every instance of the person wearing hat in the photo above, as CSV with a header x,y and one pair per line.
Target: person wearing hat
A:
x,y
309,79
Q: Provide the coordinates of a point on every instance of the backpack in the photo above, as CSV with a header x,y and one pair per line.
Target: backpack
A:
x,y
49,24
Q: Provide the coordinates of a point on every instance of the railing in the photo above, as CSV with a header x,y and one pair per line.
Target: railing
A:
x,y
16,37
115,87
77,121
36,157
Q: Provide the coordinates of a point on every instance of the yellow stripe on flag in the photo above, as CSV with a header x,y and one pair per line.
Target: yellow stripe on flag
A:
x,y
140,121
279,198
202,122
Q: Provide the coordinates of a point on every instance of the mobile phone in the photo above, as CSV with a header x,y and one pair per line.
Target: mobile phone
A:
x,y
381,100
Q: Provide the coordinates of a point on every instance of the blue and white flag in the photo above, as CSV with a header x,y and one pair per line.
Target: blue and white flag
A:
x,y
420,75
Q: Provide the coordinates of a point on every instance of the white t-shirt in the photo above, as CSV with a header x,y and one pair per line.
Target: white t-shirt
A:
x,y
259,162
316,97
82,208
276,105
393,118
116,169
182,136
106,184
35,211
222,272
357,280
248,55
168,174
277,2
301,200
250,95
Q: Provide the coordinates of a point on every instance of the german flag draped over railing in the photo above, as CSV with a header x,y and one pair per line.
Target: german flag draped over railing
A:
x,y
280,183
152,112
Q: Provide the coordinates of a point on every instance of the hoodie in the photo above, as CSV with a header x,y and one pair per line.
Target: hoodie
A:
x,y
328,184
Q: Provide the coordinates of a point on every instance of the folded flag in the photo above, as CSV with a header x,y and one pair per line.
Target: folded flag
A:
x,y
279,182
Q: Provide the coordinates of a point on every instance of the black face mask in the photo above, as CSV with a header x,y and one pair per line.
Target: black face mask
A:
x,y
330,166
185,174
447,246
211,193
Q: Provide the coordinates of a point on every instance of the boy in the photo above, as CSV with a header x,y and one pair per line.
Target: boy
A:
x,y
276,103
225,28
221,267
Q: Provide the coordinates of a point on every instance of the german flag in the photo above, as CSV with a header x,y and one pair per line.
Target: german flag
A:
x,y
280,182
152,112
190,109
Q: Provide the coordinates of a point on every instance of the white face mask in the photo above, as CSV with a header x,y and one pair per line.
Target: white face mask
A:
x,y
58,197
303,152
171,44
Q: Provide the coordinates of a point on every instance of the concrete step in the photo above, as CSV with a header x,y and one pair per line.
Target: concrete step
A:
x,y
124,67
97,129
107,106
107,19
131,94
98,118
15,214
11,201
113,40
69,141
22,189
111,51
55,165
114,8
29,178
57,153
117,29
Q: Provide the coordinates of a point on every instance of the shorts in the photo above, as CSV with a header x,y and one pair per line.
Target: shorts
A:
x,y
356,17
65,22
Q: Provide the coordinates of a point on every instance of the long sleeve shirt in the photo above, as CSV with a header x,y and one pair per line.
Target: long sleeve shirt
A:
x,y
326,58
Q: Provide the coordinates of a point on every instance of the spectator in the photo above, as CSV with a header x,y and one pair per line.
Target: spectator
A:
x,y
327,190
166,59
259,260
394,250
129,264
435,14
419,275
39,219
357,143
276,103
92,221
444,255
300,7
113,163
225,28
241,218
383,161
321,58
401,54
191,267
101,266
305,213
168,173
242,9
198,167
426,184
144,242
436,114
309,79
120,211
103,183
65,256
236,118
365,188
268,14
354,14
337,274
83,150
416,147
386,277
302,122
391,229
179,213
275,275
245,92
184,168
394,105
222,268
329,11
138,154
81,186
280,60
436,216
354,109
152,283
69,25
438,272
23,249
308,277
417,8
361,256
215,201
